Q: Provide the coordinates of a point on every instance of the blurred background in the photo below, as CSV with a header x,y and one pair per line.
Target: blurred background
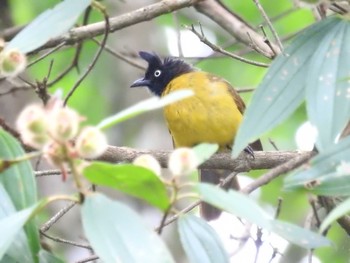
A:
x,y
106,91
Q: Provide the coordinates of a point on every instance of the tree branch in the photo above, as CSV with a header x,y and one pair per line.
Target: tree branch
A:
x,y
244,163
234,25
116,23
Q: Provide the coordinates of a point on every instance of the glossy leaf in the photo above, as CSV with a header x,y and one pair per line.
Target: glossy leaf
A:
x,y
204,151
244,207
200,241
134,180
144,106
117,234
234,203
18,250
19,182
298,235
322,164
341,210
327,87
11,226
61,18
332,184
283,87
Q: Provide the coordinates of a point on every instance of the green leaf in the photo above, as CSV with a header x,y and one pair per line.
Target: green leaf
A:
x,y
234,203
200,241
19,182
341,210
19,250
117,234
134,180
327,89
282,89
11,226
244,207
61,18
298,235
204,151
332,184
144,106
322,164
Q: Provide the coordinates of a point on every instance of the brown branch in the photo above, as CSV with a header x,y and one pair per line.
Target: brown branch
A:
x,y
234,25
116,23
293,163
283,168
262,160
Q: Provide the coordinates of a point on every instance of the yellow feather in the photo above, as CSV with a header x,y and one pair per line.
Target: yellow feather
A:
x,y
211,115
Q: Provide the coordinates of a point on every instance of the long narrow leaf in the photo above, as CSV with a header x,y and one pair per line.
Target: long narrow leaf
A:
x,y
19,182
117,233
200,241
321,165
327,92
51,23
144,106
283,87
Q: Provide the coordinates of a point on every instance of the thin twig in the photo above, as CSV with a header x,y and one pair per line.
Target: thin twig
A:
x,y
162,222
267,41
15,89
269,24
275,172
46,54
120,55
88,259
279,206
65,241
45,227
91,66
214,47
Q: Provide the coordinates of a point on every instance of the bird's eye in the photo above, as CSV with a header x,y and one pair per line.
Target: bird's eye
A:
x,y
157,73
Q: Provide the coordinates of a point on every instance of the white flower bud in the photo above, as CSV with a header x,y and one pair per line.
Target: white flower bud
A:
x,y
32,125
64,124
55,153
182,161
12,62
149,162
91,143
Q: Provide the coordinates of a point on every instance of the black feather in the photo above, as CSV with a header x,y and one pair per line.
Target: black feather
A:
x,y
170,68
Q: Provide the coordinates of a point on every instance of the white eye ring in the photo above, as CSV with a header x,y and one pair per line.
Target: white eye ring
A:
x,y
157,73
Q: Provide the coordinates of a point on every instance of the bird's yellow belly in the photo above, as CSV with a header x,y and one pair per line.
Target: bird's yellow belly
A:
x,y
209,116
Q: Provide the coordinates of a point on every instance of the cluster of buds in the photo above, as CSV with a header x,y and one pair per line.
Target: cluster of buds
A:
x,y
12,61
55,130
182,161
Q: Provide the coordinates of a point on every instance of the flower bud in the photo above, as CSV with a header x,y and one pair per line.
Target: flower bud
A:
x,y
149,162
182,161
55,153
12,62
91,143
32,125
64,124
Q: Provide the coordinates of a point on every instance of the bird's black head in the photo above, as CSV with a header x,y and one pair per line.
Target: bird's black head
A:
x,y
159,73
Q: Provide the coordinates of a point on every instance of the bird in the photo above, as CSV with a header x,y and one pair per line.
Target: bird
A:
x,y
212,115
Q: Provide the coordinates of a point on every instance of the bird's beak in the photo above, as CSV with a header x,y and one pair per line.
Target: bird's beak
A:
x,y
141,83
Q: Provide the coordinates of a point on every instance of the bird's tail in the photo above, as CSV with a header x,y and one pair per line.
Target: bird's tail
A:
x,y
214,176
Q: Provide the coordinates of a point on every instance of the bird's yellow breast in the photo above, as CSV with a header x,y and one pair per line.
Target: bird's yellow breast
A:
x,y
211,115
